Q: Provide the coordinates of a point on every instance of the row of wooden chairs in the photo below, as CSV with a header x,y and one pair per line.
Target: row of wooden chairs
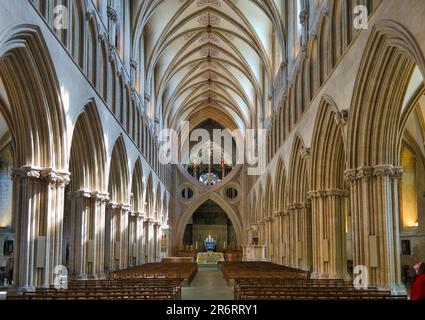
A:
x,y
259,270
305,289
183,270
136,289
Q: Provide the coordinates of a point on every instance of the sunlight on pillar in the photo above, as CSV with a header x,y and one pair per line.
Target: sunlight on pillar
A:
x,y
409,195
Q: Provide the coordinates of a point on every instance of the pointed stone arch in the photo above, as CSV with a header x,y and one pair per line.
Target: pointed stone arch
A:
x,y
231,213
136,218
137,188
329,193
117,214
374,144
86,197
149,197
282,218
36,120
299,207
118,174
88,156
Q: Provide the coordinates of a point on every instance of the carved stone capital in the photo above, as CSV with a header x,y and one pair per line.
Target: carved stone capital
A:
x,y
387,171
299,206
366,174
100,197
26,172
134,64
111,205
140,215
125,208
90,14
55,177
329,193
103,36
350,175
79,195
305,153
112,14
341,117
303,17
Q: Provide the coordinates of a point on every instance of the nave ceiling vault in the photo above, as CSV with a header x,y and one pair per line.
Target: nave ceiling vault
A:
x,y
214,54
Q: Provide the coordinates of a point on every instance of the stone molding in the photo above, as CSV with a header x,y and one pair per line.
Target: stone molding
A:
x,y
52,176
368,173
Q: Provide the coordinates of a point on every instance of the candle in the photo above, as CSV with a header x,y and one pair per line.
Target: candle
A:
x,y
196,245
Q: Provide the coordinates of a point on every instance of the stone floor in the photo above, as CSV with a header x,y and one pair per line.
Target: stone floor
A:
x,y
208,284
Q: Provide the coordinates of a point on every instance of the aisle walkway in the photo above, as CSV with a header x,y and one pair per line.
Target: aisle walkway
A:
x,y
208,284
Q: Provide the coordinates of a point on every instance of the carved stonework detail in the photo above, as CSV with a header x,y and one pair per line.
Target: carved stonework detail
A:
x,y
100,197
189,35
305,153
134,64
212,3
368,173
26,172
90,14
341,117
303,17
328,193
112,14
209,52
209,37
209,19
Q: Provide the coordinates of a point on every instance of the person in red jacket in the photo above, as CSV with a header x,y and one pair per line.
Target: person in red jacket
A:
x,y
417,291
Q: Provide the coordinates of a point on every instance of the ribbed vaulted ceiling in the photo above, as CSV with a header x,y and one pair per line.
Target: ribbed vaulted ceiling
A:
x,y
210,58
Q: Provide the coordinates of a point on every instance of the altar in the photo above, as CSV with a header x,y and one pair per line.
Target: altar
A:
x,y
209,258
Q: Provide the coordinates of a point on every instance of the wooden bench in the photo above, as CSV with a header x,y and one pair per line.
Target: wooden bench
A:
x,y
259,270
183,270
280,289
116,289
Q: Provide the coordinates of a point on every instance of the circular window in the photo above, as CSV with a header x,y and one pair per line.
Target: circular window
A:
x,y
187,193
231,193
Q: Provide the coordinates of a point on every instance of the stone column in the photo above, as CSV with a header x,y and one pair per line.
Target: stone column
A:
x,y
166,231
124,211
38,203
112,23
375,224
300,233
158,240
140,242
279,237
99,201
117,236
329,254
293,237
146,240
267,235
132,239
87,233
150,240
262,239
286,238
80,224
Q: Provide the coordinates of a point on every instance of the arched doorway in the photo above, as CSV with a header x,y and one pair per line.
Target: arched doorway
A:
x,y
228,209
210,220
